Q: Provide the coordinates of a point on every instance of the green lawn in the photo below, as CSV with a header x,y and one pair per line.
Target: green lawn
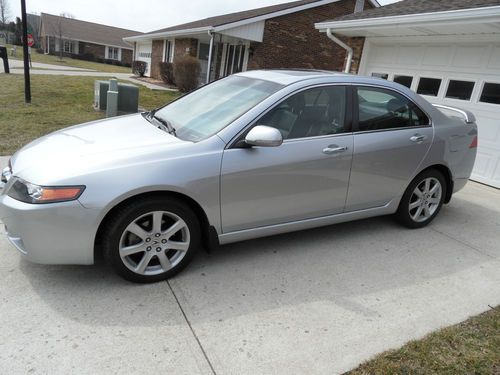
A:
x,y
69,62
472,347
57,102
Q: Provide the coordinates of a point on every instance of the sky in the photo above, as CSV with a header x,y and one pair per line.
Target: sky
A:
x,y
142,15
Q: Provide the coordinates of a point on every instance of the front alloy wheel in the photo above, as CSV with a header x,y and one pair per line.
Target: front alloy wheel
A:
x,y
151,240
154,243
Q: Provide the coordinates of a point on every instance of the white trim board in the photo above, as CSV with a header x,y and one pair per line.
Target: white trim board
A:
x,y
407,20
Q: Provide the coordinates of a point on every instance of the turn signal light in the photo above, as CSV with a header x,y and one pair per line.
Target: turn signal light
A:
x,y
474,143
59,194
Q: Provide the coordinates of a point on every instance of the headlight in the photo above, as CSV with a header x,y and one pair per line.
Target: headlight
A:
x,y
30,193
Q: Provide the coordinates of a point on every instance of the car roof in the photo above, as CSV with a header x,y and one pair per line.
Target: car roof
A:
x,y
289,76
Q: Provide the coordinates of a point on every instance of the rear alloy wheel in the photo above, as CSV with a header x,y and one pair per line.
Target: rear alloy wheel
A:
x,y
151,241
422,200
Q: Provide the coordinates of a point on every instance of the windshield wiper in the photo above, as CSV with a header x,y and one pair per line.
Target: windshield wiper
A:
x,y
166,124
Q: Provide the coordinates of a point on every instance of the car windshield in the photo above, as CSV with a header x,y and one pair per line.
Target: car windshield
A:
x,y
210,109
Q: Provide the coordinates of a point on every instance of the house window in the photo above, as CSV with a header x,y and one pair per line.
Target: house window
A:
x,y
68,46
380,75
168,51
204,51
113,53
491,93
429,86
460,90
404,80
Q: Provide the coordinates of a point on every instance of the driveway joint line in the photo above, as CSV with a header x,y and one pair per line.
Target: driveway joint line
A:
x,y
464,243
192,329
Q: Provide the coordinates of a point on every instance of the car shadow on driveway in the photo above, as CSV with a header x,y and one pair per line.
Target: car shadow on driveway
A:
x,y
337,263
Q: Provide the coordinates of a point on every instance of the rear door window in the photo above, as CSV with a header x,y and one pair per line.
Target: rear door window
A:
x,y
383,109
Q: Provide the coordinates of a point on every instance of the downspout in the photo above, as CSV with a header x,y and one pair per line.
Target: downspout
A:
x,y
349,50
210,55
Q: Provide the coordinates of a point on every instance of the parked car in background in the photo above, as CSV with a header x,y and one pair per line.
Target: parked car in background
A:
x,y
252,155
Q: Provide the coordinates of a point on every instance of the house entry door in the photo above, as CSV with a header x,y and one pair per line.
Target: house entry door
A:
x,y
234,59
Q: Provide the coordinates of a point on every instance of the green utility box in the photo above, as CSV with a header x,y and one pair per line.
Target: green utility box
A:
x,y
128,97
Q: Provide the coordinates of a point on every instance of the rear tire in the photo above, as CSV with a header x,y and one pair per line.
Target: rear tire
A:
x,y
151,240
422,200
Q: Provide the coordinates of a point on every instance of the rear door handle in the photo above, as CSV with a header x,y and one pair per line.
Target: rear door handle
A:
x,y
334,149
417,138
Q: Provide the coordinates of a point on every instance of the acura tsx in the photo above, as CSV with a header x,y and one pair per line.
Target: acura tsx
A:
x,y
251,155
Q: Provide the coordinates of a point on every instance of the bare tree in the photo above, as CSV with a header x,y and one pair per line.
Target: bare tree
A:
x,y
4,13
60,31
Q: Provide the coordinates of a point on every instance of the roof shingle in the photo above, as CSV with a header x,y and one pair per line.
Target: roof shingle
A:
x,y
406,7
86,31
234,17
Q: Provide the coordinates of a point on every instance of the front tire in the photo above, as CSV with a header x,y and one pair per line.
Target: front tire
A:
x,y
422,200
151,240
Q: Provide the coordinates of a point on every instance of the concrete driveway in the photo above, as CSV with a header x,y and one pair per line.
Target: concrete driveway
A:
x,y
315,302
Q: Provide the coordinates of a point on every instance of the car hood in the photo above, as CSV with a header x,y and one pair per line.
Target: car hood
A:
x,y
95,145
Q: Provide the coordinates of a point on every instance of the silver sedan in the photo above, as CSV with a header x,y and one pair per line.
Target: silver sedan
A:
x,y
252,155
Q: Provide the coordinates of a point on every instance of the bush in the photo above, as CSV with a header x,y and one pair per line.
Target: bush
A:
x,y
186,72
139,68
167,73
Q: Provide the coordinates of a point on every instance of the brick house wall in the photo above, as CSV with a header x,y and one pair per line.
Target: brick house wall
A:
x,y
156,58
291,41
182,47
127,56
97,50
187,46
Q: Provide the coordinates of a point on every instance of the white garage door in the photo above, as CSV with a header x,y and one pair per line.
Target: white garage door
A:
x,y
464,75
143,53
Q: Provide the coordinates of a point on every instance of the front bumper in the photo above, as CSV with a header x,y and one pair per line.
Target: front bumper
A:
x,y
59,233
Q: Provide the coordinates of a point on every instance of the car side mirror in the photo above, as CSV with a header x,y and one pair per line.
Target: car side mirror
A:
x,y
264,136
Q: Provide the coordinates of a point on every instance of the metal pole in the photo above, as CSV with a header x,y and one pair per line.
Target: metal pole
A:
x,y
27,85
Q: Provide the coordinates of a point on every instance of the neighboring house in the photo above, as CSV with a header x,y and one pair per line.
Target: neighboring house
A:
x,y
85,40
34,27
448,51
279,36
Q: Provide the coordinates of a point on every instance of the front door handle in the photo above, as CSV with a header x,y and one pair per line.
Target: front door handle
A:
x,y
334,149
417,138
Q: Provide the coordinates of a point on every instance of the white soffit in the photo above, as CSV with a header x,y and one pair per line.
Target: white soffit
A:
x,y
460,22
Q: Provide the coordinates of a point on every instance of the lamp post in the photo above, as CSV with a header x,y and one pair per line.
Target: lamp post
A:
x,y
27,85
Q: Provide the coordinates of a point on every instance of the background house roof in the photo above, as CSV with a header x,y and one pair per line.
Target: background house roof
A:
x,y
406,7
239,16
86,31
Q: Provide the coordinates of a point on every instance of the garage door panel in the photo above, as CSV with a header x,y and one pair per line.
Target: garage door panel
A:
x,y
409,55
482,163
471,62
494,62
437,56
385,54
469,57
